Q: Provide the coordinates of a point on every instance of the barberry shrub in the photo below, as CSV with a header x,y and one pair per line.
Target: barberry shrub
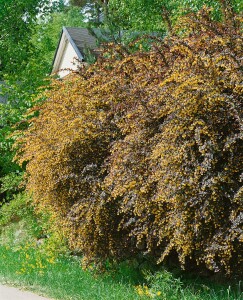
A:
x,y
142,152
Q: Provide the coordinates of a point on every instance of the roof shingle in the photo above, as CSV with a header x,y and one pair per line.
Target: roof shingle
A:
x,y
82,38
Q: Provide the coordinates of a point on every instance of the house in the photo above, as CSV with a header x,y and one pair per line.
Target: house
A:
x,y
74,45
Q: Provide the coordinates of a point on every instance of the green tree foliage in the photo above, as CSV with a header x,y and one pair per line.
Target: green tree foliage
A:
x,y
24,64
143,153
47,33
17,18
95,11
156,15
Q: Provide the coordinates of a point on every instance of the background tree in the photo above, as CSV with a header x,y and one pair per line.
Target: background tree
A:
x,y
47,33
17,20
94,10
154,15
24,63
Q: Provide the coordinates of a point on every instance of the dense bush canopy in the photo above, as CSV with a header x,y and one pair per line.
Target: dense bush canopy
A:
x,y
142,152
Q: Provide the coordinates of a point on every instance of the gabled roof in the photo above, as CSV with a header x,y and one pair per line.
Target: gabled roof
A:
x,y
81,39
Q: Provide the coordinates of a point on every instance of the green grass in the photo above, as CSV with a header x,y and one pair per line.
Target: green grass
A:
x,y
47,270
63,278
171,287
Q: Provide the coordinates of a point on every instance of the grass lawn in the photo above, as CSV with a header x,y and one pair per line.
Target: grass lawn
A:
x,y
63,278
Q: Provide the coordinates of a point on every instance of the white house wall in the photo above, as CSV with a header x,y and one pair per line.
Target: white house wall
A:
x,y
69,60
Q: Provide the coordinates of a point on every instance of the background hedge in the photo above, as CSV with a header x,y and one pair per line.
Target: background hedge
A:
x,y
142,152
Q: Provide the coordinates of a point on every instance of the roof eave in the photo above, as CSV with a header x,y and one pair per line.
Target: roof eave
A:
x,y
80,55
67,35
55,56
